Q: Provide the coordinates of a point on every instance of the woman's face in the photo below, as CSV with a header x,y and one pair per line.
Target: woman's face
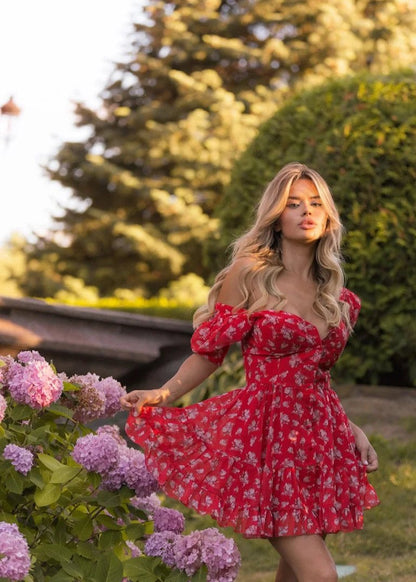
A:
x,y
304,219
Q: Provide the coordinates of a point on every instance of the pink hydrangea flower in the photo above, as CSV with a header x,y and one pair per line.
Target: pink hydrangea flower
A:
x,y
3,406
32,381
14,552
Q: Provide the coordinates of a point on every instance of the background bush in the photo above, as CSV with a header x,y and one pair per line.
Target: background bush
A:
x,y
360,134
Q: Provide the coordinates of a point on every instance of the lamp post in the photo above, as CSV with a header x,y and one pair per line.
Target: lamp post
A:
x,y
11,111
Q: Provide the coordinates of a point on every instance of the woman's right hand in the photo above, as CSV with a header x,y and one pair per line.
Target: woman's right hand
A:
x,y
135,400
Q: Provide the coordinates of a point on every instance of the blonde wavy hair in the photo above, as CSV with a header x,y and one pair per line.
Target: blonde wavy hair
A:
x,y
258,279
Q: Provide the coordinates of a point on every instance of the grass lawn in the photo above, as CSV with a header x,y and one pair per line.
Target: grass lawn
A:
x,y
385,551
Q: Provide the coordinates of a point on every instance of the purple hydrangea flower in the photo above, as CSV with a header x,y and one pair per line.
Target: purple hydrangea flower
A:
x,y
32,381
112,391
162,545
20,458
3,406
27,356
166,519
188,552
97,398
148,504
90,401
99,453
114,431
221,556
14,552
137,477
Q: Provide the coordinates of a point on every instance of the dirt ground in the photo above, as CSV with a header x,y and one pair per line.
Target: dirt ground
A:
x,y
387,411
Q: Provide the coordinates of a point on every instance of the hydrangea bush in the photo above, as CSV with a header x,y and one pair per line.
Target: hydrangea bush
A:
x,y
79,505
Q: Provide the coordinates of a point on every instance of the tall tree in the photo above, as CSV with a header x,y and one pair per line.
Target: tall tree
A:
x,y
200,78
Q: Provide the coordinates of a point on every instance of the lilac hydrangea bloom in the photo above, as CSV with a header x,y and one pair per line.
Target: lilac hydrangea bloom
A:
x,y
32,381
221,556
137,476
112,391
3,406
166,519
188,553
90,401
20,458
148,504
97,453
162,545
107,453
97,398
14,552
114,431
27,356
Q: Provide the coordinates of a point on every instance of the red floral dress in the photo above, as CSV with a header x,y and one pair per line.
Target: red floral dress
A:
x,y
276,457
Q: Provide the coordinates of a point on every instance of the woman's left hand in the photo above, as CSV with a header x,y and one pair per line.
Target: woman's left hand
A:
x,y
364,447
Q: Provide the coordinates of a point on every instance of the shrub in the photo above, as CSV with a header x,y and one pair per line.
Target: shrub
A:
x,y
78,505
360,134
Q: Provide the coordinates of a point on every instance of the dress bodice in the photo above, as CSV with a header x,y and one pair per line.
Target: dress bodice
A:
x,y
275,344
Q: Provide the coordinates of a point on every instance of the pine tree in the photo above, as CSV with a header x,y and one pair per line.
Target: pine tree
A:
x,y
201,77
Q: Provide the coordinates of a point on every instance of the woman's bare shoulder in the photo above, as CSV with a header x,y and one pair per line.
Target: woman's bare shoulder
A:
x,y
232,292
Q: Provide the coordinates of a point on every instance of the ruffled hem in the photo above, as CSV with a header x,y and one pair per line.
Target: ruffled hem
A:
x,y
273,504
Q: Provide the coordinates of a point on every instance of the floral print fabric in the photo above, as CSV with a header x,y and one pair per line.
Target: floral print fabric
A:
x,y
276,457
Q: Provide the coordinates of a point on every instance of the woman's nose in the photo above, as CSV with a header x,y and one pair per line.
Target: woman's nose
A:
x,y
306,210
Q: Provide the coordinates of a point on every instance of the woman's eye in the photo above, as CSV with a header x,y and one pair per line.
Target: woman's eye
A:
x,y
292,205
316,203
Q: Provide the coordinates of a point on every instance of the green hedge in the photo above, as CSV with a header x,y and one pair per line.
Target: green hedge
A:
x,y
360,134
156,307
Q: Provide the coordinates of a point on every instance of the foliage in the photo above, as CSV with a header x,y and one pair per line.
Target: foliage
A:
x,y
360,134
12,266
199,79
84,501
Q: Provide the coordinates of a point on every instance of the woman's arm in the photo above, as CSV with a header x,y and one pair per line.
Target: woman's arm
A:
x,y
194,370
364,447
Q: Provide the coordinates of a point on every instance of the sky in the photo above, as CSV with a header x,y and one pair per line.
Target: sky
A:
x,y
52,53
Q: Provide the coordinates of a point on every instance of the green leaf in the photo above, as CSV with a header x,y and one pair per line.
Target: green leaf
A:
x,y
61,576
20,412
178,576
136,531
15,482
50,462
59,410
57,552
108,522
109,539
143,569
83,528
109,569
64,474
88,550
108,499
36,478
48,495
201,575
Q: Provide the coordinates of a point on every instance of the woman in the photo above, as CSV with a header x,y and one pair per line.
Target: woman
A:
x,y
277,459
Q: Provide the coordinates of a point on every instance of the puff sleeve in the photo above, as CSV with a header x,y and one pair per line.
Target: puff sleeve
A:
x,y
354,302
213,337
